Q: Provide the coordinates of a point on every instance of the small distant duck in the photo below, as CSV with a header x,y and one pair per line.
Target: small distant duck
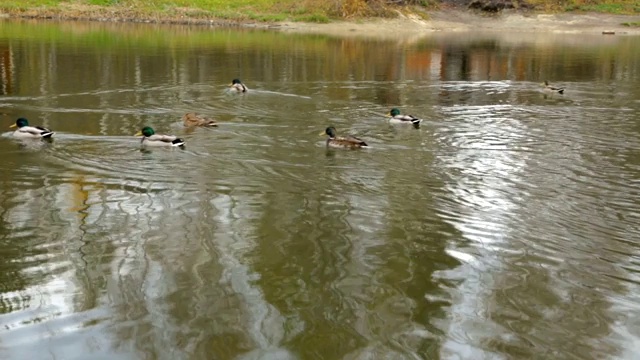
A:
x,y
397,118
193,119
345,142
547,87
237,86
150,138
30,132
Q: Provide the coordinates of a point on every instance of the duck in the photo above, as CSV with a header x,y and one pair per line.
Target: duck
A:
x,y
150,138
397,118
193,119
237,86
547,87
25,131
345,142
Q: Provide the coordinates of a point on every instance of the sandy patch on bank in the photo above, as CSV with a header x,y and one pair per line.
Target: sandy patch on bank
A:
x,y
466,21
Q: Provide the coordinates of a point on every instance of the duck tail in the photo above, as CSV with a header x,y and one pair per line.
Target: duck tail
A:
x,y
416,123
47,134
561,91
177,142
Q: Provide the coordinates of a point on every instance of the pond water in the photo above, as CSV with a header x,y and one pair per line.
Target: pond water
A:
x,y
506,227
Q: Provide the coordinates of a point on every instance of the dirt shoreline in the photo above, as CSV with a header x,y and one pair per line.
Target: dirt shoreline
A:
x,y
449,20
468,21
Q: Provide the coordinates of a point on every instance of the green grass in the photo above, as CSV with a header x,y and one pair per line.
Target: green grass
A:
x,y
631,24
318,11
27,4
259,10
606,6
103,2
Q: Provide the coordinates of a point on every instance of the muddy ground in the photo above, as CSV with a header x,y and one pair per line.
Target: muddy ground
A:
x,y
468,21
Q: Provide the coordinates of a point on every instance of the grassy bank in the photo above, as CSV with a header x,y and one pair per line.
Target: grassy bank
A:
x,y
319,11
622,7
236,10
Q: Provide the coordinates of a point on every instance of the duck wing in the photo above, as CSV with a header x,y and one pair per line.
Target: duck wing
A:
x,y
348,141
157,139
240,87
409,118
557,89
36,131
161,138
193,119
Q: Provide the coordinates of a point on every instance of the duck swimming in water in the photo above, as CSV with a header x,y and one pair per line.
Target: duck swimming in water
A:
x,y
150,138
237,86
549,88
397,118
25,131
345,142
193,120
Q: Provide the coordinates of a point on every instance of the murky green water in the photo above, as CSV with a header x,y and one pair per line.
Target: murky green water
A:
x,y
506,227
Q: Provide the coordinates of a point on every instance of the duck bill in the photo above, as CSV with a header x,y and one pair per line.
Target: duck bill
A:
x,y
139,133
322,133
12,126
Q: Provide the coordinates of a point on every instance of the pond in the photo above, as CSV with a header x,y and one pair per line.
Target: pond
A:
x,y
505,227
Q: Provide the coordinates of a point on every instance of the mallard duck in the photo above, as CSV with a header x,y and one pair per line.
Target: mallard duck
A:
x,y
237,86
547,87
150,138
193,119
30,132
348,142
397,118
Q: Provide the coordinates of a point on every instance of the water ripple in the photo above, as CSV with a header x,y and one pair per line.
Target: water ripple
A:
x,y
504,227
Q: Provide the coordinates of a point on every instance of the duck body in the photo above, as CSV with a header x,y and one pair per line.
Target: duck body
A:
x,y
343,142
395,117
25,131
549,88
150,138
194,120
237,86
